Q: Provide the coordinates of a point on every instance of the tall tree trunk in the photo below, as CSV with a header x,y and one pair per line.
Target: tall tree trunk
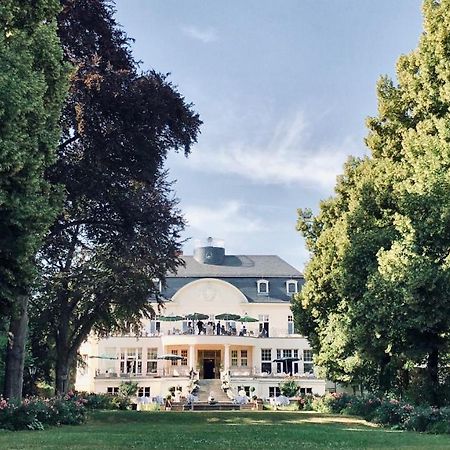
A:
x,y
384,379
433,375
15,350
62,349
64,362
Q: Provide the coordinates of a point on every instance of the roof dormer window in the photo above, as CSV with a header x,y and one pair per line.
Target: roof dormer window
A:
x,y
263,287
292,286
158,284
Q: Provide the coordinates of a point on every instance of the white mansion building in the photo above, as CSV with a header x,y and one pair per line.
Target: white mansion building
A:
x,y
257,349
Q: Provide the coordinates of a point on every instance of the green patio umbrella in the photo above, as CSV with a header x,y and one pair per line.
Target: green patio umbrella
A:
x,y
247,319
170,357
170,318
197,316
227,316
103,357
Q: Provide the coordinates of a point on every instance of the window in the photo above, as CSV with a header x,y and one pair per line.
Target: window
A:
x,y
291,325
287,366
184,353
234,357
266,360
308,355
175,361
291,286
112,390
246,389
131,361
274,391
157,284
244,358
155,327
152,367
304,391
144,392
308,365
152,362
263,287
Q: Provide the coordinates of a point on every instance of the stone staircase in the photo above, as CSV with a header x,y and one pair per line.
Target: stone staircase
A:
x,y
214,386
223,403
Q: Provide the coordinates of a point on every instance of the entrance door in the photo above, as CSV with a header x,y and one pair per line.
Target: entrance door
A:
x,y
209,362
208,368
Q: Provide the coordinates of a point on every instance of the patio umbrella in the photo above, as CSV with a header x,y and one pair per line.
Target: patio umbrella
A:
x,y
170,357
287,361
103,357
227,316
247,319
197,316
170,318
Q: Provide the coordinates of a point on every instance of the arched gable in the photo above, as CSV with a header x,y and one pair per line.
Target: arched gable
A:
x,y
208,296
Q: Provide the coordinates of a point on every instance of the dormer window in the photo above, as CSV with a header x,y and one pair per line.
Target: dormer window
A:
x,y
292,286
158,284
263,287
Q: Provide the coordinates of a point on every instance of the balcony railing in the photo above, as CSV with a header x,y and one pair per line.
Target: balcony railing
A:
x,y
164,372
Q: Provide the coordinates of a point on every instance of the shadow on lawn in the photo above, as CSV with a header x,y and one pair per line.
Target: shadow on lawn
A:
x,y
230,418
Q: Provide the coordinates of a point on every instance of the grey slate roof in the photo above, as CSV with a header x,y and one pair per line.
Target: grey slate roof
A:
x,y
238,266
243,272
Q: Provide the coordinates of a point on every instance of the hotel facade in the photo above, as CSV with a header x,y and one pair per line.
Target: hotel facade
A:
x,y
254,354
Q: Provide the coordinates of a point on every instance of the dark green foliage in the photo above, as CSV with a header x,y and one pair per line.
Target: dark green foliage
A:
x,y
120,226
376,304
35,414
104,401
32,87
289,387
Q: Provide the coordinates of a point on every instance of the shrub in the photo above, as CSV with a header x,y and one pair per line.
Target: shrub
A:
x,y
331,403
34,413
362,406
393,413
289,387
304,402
422,418
128,388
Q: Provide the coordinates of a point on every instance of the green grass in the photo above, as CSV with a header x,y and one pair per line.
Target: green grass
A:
x,y
219,430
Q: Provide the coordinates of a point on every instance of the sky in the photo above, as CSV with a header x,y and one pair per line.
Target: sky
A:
x,y
283,88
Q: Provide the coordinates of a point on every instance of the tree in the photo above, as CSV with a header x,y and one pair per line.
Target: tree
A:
x,y
120,227
389,275
32,88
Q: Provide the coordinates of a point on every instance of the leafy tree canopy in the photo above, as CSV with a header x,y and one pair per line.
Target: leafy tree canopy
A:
x,y
377,291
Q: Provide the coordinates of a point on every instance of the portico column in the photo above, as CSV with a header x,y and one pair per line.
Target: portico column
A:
x,y
256,364
191,357
226,360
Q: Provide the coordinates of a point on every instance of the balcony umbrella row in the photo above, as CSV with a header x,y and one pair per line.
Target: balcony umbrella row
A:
x,y
200,316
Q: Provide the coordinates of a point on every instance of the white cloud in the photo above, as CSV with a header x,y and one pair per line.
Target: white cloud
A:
x,y
205,35
285,157
222,220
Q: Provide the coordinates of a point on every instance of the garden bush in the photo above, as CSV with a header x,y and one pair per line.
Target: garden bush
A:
x,y
387,412
362,406
332,403
393,413
104,401
34,413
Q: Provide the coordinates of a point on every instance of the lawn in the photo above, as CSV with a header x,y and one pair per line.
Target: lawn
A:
x,y
219,430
